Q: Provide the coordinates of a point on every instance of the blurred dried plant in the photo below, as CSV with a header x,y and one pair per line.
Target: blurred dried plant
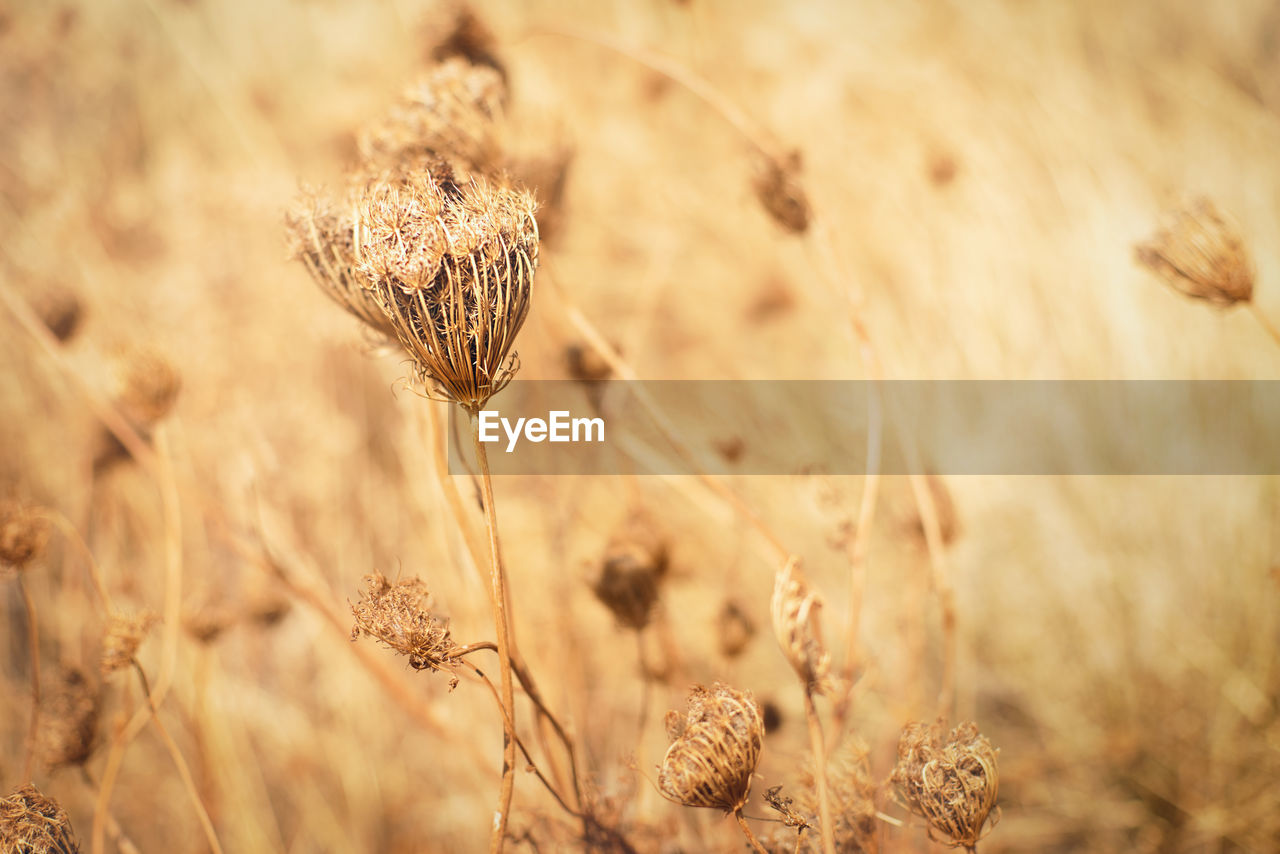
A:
x,y
629,585
69,720
31,823
778,187
734,628
24,531
950,782
1200,252
124,635
60,309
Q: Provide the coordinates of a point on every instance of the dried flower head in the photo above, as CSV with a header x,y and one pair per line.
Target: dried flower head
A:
x,y
777,185
795,607
397,615
147,386
23,533
124,635
631,574
585,364
60,310
324,241
462,34
714,750
735,628
30,823
950,783
1200,252
69,718
851,793
452,266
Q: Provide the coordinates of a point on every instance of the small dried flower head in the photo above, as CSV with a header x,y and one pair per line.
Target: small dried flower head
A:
x,y
777,185
735,628
714,751
397,615
1200,252
324,241
452,266
795,608
635,563
30,823
60,310
460,33
125,634
23,533
950,782
147,386
851,793
69,718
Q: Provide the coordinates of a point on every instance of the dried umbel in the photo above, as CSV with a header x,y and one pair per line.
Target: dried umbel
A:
x,y
324,241
125,634
397,615
795,608
714,750
69,719
851,794
777,185
631,576
24,531
950,781
452,266
734,628
30,823
1200,252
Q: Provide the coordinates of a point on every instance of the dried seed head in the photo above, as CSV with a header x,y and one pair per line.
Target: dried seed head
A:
x,y
23,533
452,266
777,185
952,784
635,563
851,793
791,817
585,364
795,608
147,386
1200,252
69,719
30,823
324,241
449,117
715,752
466,37
735,628
60,310
397,615
124,635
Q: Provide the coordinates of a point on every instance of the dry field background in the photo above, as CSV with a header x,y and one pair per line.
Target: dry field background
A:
x,y
982,171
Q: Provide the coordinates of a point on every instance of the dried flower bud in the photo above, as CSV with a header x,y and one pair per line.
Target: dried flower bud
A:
x,y
777,185
462,35
23,533
952,784
795,608
69,719
735,628
60,310
30,823
324,241
453,269
397,615
1200,252
711,760
635,563
124,635
148,386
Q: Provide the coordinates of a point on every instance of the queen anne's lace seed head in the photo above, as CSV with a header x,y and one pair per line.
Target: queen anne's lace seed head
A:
x,y
714,751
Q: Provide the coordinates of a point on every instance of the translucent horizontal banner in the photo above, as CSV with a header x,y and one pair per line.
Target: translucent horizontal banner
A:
x,y
850,427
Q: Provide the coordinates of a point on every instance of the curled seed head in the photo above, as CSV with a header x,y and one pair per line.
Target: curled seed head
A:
x,y
735,628
630,580
24,531
147,386
777,185
714,751
69,719
951,782
396,614
125,634
452,266
795,609
1199,251
30,823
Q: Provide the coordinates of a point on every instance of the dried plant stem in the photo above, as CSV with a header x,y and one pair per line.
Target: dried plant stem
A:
x,y
941,587
72,535
184,771
1266,322
33,640
819,749
498,594
117,834
746,831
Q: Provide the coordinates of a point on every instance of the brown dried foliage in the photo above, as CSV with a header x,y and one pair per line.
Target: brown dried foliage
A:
x,y
1199,251
714,750
30,823
795,608
125,634
777,185
69,719
24,531
397,615
950,782
452,266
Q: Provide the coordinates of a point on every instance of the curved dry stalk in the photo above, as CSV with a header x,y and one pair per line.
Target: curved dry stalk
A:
x,y
818,746
72,534
1266,322
746,831
118,836
33,640
941,587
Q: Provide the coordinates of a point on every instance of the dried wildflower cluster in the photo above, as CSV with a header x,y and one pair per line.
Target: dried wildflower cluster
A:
x,y
69,719
851,791
24,531
397,614
1199,251
31,823
951,783
714,750
795,607
631,577
125,634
